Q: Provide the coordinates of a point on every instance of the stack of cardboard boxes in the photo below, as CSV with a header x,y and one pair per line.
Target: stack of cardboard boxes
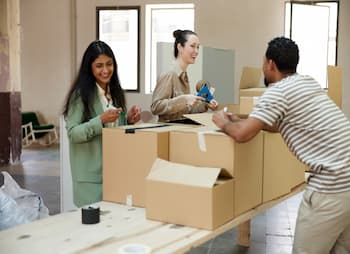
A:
x,y
195,176
209,148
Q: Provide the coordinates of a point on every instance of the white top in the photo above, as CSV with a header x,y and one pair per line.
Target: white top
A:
x,y
106,101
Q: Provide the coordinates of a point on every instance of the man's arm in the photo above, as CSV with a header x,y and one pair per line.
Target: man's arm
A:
x,y
273,128
241,130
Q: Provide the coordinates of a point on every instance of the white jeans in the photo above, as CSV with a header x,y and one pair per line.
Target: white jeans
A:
x,y
323,224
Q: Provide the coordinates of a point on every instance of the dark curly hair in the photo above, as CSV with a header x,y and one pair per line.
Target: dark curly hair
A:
x,y
285,53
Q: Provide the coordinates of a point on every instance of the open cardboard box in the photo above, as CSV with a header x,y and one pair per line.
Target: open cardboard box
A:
x,y
206,146
128,154
188,195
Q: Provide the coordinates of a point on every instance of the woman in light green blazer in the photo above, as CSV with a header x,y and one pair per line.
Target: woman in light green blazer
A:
x,y
94,101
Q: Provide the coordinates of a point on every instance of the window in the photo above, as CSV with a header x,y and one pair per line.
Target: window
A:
x,y
313,26
161,21
333,31
119,28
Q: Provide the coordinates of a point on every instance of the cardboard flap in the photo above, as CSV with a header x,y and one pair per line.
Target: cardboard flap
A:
x,y
203,119
171,172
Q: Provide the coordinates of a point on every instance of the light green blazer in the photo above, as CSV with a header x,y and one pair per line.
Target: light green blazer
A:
x,y
85,151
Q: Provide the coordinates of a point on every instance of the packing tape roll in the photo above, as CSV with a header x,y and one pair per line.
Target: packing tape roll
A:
x,y
134,248
90,214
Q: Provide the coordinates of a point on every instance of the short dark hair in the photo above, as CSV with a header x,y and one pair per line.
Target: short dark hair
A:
x,y
285,53
181,37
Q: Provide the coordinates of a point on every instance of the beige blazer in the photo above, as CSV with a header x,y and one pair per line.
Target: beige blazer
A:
x,y
165,101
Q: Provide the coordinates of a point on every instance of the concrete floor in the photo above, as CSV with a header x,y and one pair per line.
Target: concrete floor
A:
x,y
271,232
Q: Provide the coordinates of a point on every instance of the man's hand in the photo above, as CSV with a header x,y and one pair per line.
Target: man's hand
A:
x,y
221,118
241,130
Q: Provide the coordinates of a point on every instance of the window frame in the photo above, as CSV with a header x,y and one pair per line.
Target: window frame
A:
x,y
316,3
333,60
137,8
149,86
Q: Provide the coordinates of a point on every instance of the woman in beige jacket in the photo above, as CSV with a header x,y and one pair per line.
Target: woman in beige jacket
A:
x,y
171,97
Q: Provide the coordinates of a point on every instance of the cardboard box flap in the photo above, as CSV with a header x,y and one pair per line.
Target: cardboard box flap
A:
x,y
203,119
171,172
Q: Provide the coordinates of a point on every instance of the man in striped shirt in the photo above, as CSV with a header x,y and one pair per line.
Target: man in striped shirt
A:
x,y
318,133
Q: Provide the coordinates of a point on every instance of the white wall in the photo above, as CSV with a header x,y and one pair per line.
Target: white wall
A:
x,y
49,29
243,25
45,55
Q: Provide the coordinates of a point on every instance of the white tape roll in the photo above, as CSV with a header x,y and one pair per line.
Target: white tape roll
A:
x,y
134,248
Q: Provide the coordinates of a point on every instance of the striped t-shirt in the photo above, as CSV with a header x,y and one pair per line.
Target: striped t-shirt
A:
x,y
315,130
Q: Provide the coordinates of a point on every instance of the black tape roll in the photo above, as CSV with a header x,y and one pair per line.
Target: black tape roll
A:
x,y
90,214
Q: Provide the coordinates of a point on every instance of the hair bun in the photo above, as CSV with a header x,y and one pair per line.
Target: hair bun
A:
x,y
177,33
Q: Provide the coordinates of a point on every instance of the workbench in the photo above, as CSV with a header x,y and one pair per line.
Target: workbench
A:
x,y
119,225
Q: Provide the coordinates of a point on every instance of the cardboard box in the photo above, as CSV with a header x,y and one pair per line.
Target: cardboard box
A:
x,y
128,157
205,147
233,108
250,77
335,84
256,91
246,104
282,170
188,195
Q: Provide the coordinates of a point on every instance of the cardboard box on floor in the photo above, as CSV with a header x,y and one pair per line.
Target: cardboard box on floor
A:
x,y
207,147
282,170
128,157
188,195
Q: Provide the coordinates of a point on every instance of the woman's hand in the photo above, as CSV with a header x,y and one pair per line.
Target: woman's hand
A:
x,y
111,115
192,99
134,115
213,105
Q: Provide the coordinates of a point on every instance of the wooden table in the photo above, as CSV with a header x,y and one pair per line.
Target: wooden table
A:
x,y
120,224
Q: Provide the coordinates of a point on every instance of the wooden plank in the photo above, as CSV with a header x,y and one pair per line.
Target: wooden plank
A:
x,y
120,224
243,236
64,232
